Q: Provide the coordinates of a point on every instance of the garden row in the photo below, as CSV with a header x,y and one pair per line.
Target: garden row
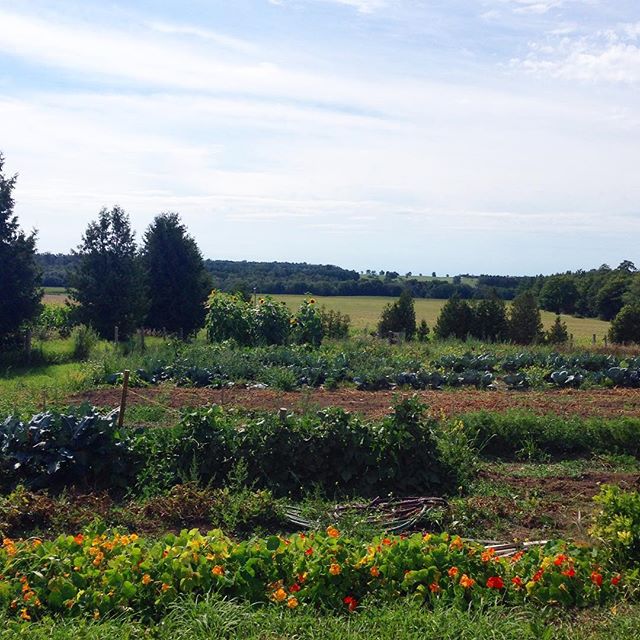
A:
x,y
104,573
369,366
410,452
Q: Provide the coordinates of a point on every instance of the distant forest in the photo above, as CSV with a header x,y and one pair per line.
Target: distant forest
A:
x,y
598,292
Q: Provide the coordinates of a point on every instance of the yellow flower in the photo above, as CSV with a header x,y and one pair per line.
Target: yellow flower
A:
x,y
24,614
426,537
292,602
625,537
335,569
146,579
332,532
280,595
96,614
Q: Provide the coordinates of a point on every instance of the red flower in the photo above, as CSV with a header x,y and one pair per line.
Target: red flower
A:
x,y
79,539
294,588
560,560
351,602
570,572
434,587
517,582
596,578
495,582
615,581
537,575
309,551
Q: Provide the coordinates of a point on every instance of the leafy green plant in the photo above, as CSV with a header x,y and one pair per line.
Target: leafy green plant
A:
x,y
84,341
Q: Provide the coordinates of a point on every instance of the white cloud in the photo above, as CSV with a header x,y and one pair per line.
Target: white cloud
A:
x,y
205,34
609,55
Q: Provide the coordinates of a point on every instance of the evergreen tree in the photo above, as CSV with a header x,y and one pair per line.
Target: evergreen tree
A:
x,y
423,331
455,319
525,325
490,319
20,291
177,282
108,284
558,333
399,316
626,325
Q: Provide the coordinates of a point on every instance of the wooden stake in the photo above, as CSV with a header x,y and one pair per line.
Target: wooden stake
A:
x,y
115,334
123,399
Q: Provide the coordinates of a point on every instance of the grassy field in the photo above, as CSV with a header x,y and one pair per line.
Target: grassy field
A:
x,y
365,312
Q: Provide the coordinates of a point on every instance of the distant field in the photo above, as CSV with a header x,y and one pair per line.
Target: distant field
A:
x,y
365,311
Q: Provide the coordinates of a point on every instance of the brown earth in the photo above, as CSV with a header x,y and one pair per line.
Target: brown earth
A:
x,y
602,403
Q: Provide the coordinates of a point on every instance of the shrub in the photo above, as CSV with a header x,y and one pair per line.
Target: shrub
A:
x,y
334,324
525,325
626,325
399,317
84,340
423,331
558,333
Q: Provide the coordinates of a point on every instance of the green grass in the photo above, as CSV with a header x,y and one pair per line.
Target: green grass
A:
x,y
213,618
365,312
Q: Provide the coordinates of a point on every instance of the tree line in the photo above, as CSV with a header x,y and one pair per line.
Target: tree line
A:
x,y
163,284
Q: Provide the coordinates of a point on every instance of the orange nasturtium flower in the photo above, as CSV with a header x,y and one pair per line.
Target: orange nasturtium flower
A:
x,y
335,569
280,595
79,539
560,559
466,582
165,587
292,602
487,555
374,571
453,572
332,532
146,579
218,570
434,587
456,543
596,578
517,582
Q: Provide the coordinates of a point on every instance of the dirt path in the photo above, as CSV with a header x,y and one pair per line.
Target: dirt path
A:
x,y
592,403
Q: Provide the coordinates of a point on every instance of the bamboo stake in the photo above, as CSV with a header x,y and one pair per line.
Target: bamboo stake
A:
x,y
123,399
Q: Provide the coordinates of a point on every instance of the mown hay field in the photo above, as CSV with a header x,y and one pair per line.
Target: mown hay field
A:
x,y
365,312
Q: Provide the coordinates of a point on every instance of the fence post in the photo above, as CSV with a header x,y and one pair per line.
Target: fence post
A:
x,y
141,333
123,399
594,338
27,344
116,334
605,339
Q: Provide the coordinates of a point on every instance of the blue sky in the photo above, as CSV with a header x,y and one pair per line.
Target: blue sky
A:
x,y
494,136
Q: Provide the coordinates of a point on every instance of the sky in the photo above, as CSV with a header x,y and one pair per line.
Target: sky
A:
x,y
456,136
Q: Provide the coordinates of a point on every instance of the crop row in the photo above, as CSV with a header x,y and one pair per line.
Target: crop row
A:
x,y
101,573
290,367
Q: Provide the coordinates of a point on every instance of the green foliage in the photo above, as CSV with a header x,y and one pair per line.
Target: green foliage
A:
x,y
509,433
617,523
455,319
558,333
335,325
176,279
57,450
108,284
609,299
84,341
399,317
272,322
525,325
307,324
422,333
228,318
625,327
489,319
100,573
559,294
55,318
20,291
